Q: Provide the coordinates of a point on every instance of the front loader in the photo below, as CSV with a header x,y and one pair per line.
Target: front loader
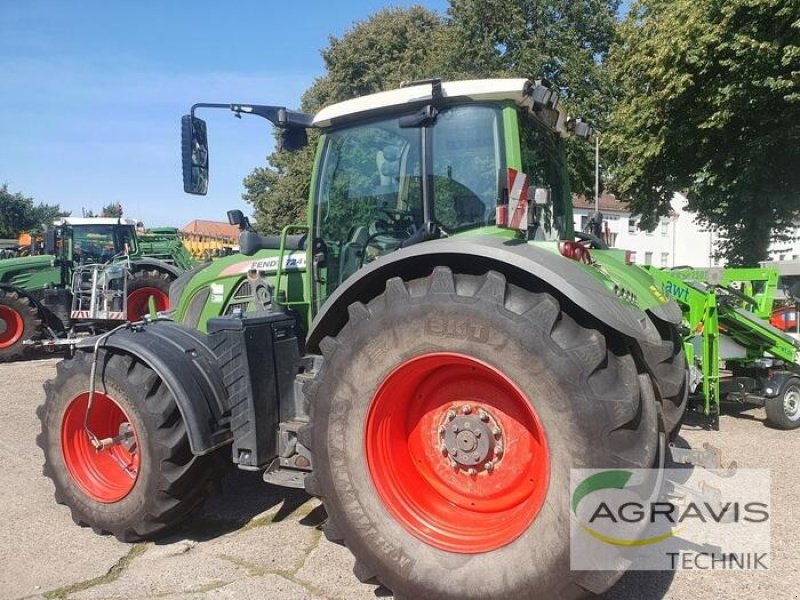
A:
x,y
432,351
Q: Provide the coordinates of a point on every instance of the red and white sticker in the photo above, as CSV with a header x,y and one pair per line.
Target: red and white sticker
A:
x,y
517,200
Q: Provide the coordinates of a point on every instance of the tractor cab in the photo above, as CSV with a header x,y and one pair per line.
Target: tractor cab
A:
x,y
91,240
428,161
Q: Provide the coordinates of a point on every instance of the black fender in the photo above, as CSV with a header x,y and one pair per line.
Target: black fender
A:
x,y
522,264
187,366
139,263
776,382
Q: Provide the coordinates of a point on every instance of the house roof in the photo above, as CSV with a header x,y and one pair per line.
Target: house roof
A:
x,y
608,203
212,228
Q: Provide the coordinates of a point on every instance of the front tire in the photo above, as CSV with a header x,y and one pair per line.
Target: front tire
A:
x,y
148,480
19,321
555,393
783,411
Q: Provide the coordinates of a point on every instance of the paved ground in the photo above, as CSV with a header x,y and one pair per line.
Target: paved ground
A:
x,y
257,541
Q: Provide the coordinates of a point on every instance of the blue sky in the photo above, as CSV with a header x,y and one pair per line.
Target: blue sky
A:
x,y
92,94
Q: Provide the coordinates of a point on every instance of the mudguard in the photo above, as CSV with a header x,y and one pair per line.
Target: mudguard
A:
x,y
519,261
187,366
139,263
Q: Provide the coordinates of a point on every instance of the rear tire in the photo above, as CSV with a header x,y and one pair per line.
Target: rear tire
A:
x,y
535,371
141,286
19,321
132,493
783,411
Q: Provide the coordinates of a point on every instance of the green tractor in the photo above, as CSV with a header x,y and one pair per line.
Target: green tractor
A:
x,y
430,354
47,296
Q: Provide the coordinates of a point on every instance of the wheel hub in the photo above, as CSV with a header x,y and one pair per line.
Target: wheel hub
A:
x,y
470,436
791,403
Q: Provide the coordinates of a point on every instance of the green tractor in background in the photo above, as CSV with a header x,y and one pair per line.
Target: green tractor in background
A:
x,y
48,295
430,354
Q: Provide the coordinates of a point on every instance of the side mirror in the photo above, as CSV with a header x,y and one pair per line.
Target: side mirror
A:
x,y
236,217
50,241
194,155
293,138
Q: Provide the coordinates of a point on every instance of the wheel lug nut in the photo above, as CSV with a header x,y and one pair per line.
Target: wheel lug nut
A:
x,y
476,457
477,433
442,430
466,409
489,466
455,428
498,450
483,415
443,449
453,451
451,414
496,432
471,471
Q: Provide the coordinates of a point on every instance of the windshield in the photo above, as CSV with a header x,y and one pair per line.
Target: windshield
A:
x,y
100,243
370,198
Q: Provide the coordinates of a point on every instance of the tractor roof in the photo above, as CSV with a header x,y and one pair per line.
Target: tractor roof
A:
x,y
95,221
477,90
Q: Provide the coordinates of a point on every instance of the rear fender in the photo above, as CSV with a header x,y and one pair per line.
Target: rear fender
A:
x,y
187,366
525,265
140,264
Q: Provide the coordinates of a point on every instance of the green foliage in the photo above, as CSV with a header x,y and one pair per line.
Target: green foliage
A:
x,y
111,210
18,213
710,104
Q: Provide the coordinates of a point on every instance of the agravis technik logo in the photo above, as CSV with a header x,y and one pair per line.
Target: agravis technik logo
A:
x,y
676,518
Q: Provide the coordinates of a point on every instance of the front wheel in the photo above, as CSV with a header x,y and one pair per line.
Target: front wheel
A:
x,y
145,478
446,419
783,411
19,321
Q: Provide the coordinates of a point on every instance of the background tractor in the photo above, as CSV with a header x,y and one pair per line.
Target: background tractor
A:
x,y
48,294
434,350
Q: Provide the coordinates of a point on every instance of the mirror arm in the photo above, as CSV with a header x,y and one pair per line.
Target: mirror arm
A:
x,y
277,115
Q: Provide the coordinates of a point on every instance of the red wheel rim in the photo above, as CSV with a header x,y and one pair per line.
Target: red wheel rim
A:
x,y
11,326
106,475
138,302
459,503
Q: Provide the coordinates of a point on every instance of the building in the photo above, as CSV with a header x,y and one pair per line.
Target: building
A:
x,y
678,240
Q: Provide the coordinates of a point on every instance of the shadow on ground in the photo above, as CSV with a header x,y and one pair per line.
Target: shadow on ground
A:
x,y
242,497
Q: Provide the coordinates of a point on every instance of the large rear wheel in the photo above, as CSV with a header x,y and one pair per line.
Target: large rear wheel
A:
x,y
446,419
145,479
144,285
19,321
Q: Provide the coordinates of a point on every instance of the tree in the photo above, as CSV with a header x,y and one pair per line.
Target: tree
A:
x,y
710,104
391,46
18,213
111,210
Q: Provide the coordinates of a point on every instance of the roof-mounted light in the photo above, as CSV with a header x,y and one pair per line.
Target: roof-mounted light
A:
x,y
580,128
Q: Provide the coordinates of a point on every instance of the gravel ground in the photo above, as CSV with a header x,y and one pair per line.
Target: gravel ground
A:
x,y
257,541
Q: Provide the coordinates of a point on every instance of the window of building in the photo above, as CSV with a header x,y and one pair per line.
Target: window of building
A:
x,y
664,227
633,257
648,258
665,259
632,226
